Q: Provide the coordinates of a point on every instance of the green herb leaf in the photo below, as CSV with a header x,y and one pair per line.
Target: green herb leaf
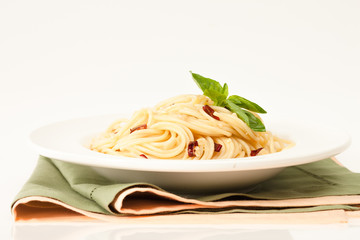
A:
x,y
247,104
255,123
212,89
206,83
225,90
217,97
236,104
250,119
238,110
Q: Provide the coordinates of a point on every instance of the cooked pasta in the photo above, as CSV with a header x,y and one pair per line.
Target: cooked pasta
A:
x,y
186,127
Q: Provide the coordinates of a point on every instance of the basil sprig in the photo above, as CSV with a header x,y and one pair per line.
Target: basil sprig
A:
x,y
236,104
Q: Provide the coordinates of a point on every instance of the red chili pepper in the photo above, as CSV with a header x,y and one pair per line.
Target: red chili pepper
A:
x,y
143,126
255,152
217,147
191,148
210,112
143,155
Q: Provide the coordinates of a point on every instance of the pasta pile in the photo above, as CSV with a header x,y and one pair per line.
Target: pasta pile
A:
x,y
186,127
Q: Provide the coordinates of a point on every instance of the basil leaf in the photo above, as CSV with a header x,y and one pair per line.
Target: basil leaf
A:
x,y
225,90
250,119
247,104
212,89
206,83
238,110
255,123
217,97
236,104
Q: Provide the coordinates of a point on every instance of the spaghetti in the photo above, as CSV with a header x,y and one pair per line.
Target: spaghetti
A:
x,y
186,127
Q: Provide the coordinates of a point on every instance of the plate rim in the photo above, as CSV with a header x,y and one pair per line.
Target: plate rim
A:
x,y
274,160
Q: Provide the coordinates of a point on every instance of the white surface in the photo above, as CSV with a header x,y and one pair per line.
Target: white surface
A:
x,y
91,231
66,59
69,141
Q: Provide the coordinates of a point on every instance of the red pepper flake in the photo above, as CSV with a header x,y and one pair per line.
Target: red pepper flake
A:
x,y
217,147
143,126
191,148
210,112
143,155
255,152
117,150
114,131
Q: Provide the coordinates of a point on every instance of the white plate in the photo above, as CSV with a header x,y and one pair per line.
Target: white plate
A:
x,y
68,140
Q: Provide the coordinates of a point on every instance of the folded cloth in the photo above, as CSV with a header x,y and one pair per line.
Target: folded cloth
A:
x,y
318,192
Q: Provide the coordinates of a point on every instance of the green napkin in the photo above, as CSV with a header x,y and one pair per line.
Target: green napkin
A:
x,y
81,187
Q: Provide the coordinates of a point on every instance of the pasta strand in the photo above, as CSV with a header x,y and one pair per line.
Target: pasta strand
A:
x,y
179,128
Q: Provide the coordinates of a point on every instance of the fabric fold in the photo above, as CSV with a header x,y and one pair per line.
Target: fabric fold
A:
x,y
69,189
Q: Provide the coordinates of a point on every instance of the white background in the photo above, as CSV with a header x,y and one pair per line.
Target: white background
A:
x,y
66,59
